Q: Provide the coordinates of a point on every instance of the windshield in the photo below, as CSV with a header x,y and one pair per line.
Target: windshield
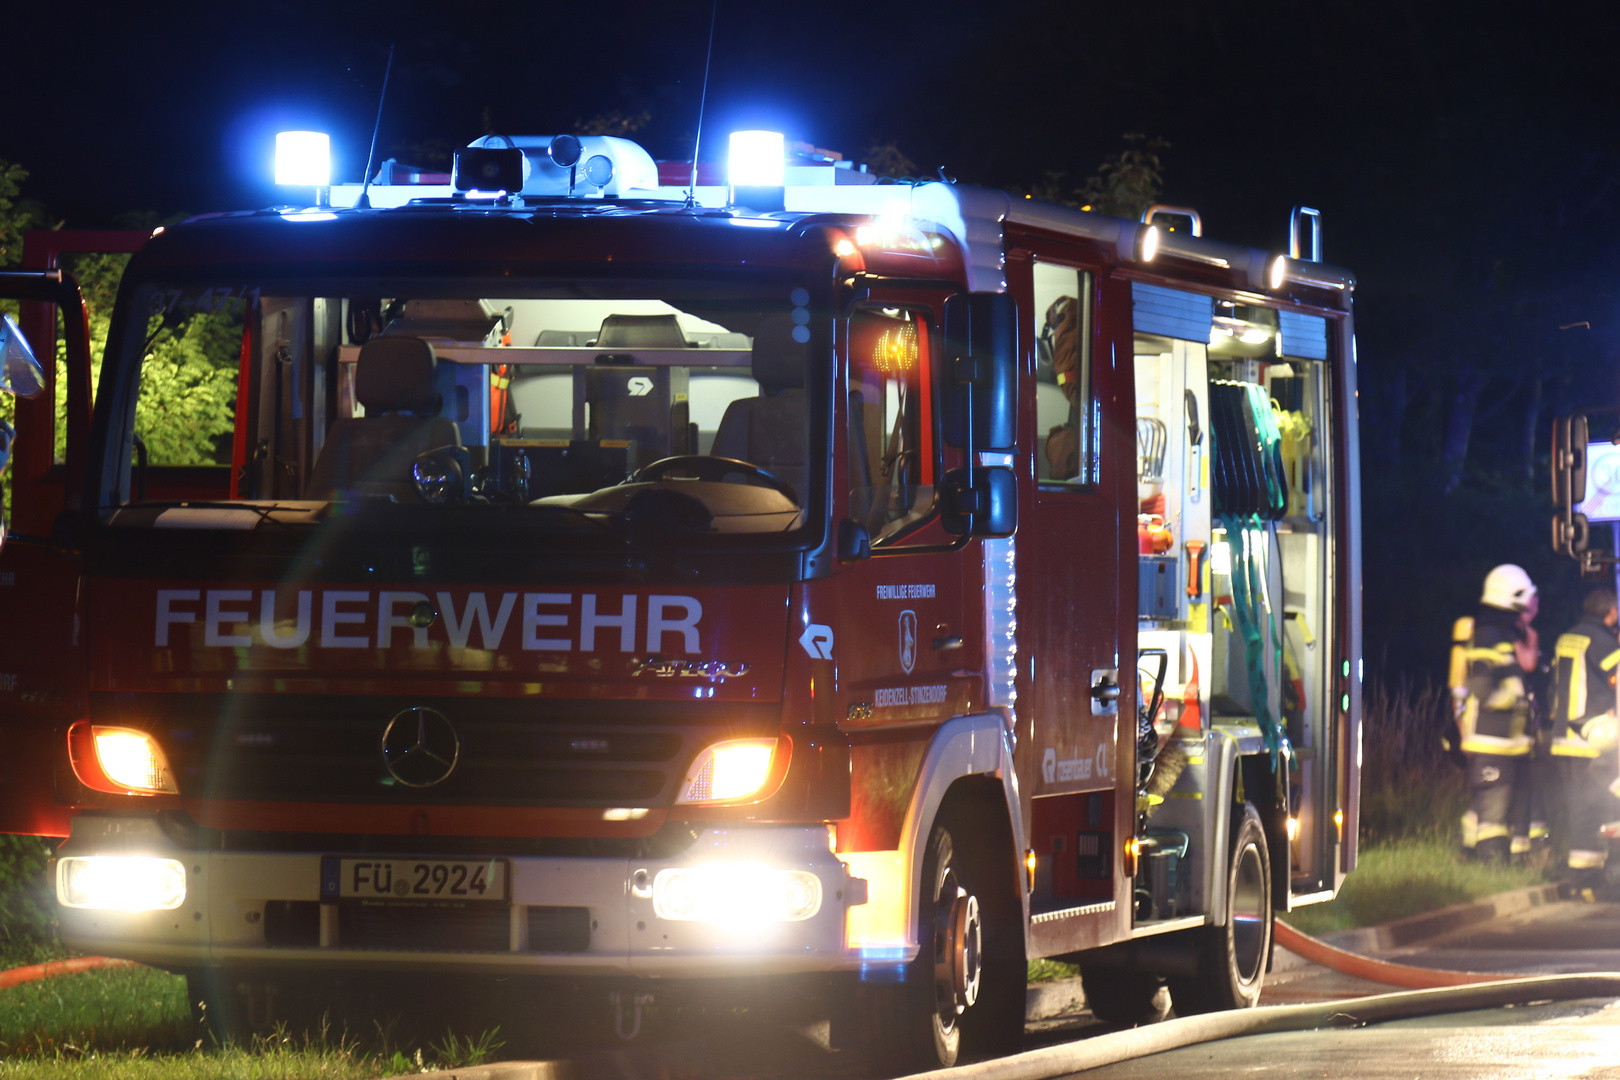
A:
x,y
674,404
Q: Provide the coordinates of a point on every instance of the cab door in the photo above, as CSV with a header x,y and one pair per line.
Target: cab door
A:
x,y
1074,685
42,669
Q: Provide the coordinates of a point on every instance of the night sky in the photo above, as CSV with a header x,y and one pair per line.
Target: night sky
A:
x,y
1466,159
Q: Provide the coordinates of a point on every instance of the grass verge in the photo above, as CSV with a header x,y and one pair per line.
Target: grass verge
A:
x,y
135,1023
1407,877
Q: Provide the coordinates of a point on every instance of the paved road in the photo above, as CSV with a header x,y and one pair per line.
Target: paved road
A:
x,y
1539,1042
1544,1042
1555,939
1547,1042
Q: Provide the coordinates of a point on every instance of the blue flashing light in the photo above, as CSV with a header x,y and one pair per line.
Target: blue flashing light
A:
x,y
303,158
758,158
882,973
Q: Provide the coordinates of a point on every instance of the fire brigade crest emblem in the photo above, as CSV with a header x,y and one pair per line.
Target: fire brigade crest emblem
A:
x,y
908,640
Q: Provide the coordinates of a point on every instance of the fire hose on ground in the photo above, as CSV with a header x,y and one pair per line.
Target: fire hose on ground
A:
x,y
60,967
1427,992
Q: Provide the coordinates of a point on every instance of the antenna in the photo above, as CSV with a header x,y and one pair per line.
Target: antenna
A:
x,y
364,202
703,100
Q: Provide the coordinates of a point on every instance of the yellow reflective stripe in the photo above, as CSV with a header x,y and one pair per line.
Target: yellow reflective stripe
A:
x,y
1491,832
1587,860
1539,832
1493,747
1496,654
1566,748
1520,845
1608,662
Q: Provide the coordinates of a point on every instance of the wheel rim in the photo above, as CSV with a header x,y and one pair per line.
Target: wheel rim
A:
x,y
958,951
1248,913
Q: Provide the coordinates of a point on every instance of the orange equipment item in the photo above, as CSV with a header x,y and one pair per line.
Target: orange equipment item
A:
x,y
1153,536
1195,568
1191,715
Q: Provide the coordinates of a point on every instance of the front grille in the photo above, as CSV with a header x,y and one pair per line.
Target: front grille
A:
x,y
559,929
512,752
435,926
295,923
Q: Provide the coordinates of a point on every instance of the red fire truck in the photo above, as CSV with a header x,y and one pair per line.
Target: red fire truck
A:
x,y
618,576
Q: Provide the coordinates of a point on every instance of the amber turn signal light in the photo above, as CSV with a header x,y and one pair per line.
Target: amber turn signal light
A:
x,y
119,760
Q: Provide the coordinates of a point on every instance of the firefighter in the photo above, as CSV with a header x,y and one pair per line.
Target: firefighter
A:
x,y
1501,652
1584,664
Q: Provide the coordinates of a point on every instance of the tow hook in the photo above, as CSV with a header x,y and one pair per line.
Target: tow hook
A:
x,y
627,1021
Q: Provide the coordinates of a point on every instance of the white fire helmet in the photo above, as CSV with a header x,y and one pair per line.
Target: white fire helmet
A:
x,y
1508,587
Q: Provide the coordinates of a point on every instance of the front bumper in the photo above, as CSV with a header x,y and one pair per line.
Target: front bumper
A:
x,y
230,895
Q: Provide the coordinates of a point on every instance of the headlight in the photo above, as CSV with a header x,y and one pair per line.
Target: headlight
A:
x,y
121,883
119,760
728,771
736,893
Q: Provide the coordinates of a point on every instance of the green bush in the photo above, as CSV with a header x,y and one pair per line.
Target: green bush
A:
x,y
27,902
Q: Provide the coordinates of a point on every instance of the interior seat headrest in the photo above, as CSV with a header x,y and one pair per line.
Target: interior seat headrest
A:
x,y
641,332
779,357
396,374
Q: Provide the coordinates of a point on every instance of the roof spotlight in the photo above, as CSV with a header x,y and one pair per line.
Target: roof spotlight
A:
x,y
1147,243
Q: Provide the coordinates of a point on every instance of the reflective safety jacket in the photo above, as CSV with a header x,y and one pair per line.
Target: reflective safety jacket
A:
x,y
1584,664
1498,705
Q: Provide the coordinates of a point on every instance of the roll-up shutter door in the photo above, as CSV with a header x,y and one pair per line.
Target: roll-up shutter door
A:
x,y
1304,336
1172,313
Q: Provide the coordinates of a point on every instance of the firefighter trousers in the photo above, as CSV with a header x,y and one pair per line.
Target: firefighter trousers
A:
x,y
1499,794
1591,805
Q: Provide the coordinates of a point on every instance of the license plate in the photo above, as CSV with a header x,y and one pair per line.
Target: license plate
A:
x,y
413,879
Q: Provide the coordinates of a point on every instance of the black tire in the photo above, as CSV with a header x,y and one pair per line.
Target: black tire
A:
x,y
962,998
1119,996
1232,958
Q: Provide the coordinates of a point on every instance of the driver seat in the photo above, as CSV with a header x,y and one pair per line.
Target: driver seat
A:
x,y
772,430
372,455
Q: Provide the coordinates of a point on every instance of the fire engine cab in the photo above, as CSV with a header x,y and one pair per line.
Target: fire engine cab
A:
x,y
615,575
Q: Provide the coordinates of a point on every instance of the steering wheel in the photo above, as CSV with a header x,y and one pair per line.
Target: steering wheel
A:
x,y
716,469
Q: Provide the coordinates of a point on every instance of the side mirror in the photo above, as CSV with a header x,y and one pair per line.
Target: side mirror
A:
x,y
1570,436
1570,530
980,502
980,413
20,373
981,382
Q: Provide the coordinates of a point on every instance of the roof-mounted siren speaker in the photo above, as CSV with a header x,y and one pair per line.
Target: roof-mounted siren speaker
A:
x,y
489,168
757,166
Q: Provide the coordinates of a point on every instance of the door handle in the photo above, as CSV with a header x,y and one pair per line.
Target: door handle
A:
x,y
1104,691
946,644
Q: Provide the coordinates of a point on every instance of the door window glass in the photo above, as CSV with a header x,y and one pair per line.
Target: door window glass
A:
x,y
891,420
1065,407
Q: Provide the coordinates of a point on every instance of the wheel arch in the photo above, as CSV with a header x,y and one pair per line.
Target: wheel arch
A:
x,y
969,760
1267,790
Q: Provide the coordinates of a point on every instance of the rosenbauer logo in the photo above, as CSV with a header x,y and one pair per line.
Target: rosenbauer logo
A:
x,y
363,619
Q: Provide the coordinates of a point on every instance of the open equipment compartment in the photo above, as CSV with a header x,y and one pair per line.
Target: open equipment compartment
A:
x,y
1235,540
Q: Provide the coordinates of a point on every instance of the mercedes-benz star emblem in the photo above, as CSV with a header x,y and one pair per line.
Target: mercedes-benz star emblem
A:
x,y
420,747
